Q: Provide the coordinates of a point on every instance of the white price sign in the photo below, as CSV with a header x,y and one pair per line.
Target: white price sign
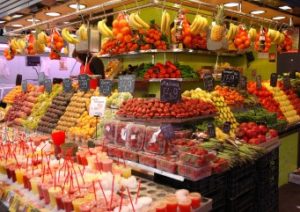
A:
x,y
97,106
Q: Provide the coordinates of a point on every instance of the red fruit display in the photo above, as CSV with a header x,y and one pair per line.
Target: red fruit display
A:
x,y
121,133
242,40
155,142
167,163
152,39
266,99
169,70
9,53
135,137
154,108
199,41
196,156
193,173
30,44
219,165
56,43
147,159
287,44
253,133
266,44
110,131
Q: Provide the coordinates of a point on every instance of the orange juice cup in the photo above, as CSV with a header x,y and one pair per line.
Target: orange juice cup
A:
x,y
171,204
161,206
196,199
185,205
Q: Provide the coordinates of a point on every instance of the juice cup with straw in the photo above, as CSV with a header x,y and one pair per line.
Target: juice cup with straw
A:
x,y
67,201
196,200
160,206
126,172
86,207
58,199
53,191
77,203
185,205
45,188
171,203
107,165
19,175
34,184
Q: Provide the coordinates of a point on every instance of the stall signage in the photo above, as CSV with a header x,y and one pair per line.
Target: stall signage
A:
x,y
230,78
258,82
41,78
170,91
226,127
273,80
243,83
67,83
84,82
208,81
286,82
106,87
167,131
48,85
24,86
211,130
97,106
126,83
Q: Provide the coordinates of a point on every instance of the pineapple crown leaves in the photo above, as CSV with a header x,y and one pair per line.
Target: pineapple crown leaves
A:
x,y
220,15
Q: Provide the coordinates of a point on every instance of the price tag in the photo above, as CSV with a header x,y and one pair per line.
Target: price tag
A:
x,y
97,106
287,82
67,83
243,83
24,86
273,80
170,91
168,131
293,74
106,87
226,127
208,82
211,130
126,83
41,78
48,85
258,82
84,82
230,78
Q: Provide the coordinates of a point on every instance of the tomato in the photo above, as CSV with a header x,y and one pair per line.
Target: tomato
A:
x,y
115,24
125,30
273,133
254,141
261,138
119,36
263,129
238,41
123,23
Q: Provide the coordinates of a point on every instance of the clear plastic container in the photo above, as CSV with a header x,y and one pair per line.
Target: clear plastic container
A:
x,y
193,173
154,141
183,134
109,129
197,158
136,137
115,151
121,133
220,165
178,144
147,159
167,164
130,155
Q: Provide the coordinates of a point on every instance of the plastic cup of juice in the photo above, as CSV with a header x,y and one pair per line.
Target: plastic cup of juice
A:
x,y
172,203
67,201
160,206
126,172
58,200
185,205
86,207
77,203
53,191
34,184
107,165
196,199
45,188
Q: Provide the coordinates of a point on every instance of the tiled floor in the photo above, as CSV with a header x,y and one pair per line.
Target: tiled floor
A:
x,y
289,198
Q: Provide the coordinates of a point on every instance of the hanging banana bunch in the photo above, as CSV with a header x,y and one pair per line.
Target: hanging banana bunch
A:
x,y
136,22
252,34
232,31
198,25
104,29
82,32
165,22
68,37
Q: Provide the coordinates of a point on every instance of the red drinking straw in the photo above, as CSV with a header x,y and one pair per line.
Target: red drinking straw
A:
x,y
121,203
94,188
112,192
138,192
130,199
106,203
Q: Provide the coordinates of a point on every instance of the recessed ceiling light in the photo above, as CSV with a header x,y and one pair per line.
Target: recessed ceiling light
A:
x,y
16,25
17,16
1,22
52,14
33,31
231,4
77,6
279,17
285,7
32,20
257,12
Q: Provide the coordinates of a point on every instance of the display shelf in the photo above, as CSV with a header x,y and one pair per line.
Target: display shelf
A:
x,y
167,121
175,51
271,144
160,79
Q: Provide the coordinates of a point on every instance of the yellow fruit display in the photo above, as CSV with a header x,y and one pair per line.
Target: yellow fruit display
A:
x,y
285,105
197,93
218,29
9,98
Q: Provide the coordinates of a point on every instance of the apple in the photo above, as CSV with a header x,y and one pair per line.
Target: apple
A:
x,y
273,133
254,141
263,129
262,138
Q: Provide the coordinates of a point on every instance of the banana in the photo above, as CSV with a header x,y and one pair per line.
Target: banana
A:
x,y
133,23
195,24
165,22
42,37
276,38
281,39
83,32
103,29
68,37
252,34
39,47
233,29
21,44
168,23
141,21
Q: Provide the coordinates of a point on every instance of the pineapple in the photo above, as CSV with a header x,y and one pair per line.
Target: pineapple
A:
x,y
218,28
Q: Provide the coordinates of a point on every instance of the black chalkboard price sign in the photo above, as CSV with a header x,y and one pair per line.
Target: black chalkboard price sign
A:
x,y
211,131
106,87
67,84
208,81
126,83
273,80
24,86
48,85
168,131
84,82
286,82
170,91
258,82
226,127
230,78
243,83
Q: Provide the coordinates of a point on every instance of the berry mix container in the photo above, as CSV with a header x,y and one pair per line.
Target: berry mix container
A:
x,y
147,159
196,156
154,141
110,131
121,133
130,155
135,136
167,164
193,173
